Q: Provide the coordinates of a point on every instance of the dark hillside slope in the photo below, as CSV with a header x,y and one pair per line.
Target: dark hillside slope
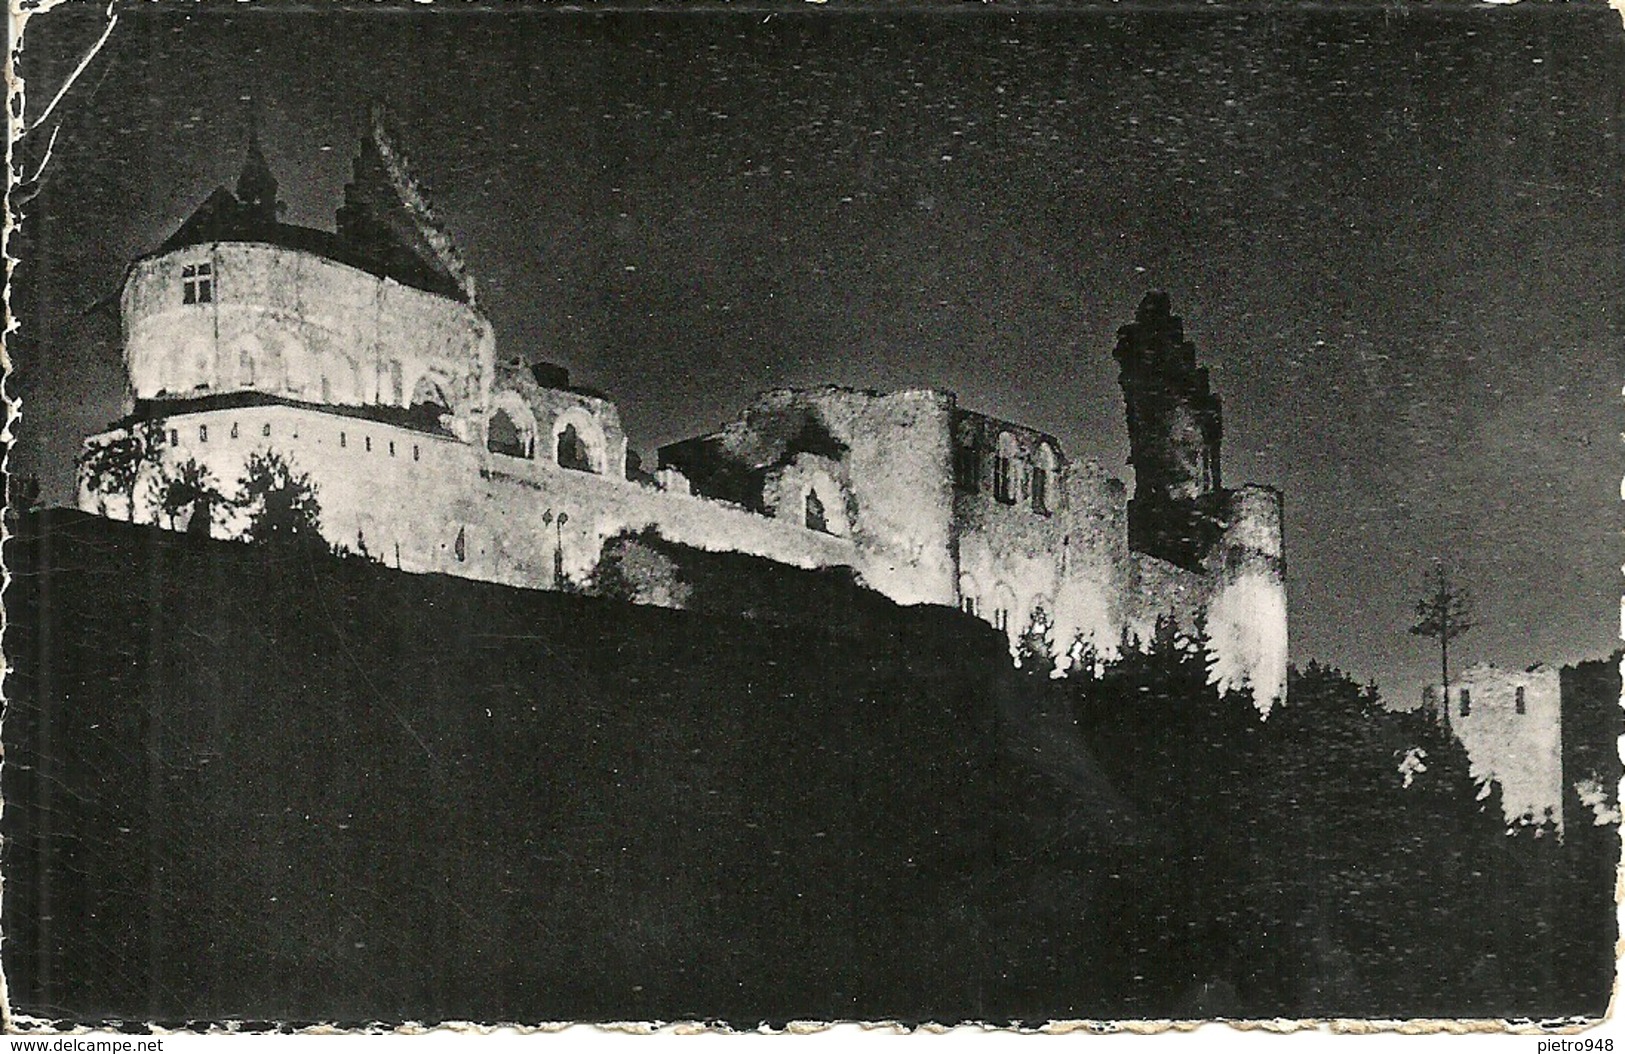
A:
x,y
261,784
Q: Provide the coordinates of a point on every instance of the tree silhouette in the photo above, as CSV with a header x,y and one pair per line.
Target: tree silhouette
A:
x,y
188,485
115,465
280,502
1442,615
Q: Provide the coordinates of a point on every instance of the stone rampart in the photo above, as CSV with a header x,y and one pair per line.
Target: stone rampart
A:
x,y
428,503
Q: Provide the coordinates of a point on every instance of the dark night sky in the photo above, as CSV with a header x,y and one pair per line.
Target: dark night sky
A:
x,y
1397,237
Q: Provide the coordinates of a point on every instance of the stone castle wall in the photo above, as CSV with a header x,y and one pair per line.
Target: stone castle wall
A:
x,y
429,503
888,455
1063,562
297,325
541,415
901,495
1246,610
927,502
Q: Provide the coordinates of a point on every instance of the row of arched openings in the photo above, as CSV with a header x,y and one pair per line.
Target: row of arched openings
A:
x,y
511,431
282,365
998,607
1016,476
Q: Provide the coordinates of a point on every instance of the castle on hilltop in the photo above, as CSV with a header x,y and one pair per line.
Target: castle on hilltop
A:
x,y
361,359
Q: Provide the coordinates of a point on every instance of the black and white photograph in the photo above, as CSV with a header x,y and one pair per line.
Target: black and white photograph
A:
x,y
767,512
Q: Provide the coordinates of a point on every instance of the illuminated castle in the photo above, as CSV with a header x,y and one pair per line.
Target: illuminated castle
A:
x,y
362,360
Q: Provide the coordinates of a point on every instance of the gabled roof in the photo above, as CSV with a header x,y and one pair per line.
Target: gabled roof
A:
x,y
385,226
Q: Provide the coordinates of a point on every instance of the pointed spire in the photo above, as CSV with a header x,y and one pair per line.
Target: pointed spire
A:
x,y
256,186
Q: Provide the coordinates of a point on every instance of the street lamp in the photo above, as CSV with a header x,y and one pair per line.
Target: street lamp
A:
x,y
558,544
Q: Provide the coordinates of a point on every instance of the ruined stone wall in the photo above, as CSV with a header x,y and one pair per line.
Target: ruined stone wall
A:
x,y
1522,751
898,462
543,413
295,324
428,503
1158,589
892,453
1053,556
810,485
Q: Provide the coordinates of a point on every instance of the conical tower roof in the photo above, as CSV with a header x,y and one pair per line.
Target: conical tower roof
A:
x,y
256,186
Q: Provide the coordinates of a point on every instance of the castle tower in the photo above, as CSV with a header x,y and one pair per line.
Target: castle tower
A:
x,y
1174,432
256,186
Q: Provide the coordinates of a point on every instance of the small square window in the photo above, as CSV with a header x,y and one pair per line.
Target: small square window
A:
x,y
197,283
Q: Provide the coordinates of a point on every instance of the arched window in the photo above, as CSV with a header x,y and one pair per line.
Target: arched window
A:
x,y
503,436
1043,475
572,450
1004,606
1007,469
815,513
967,466
429,402
427,392
301,371
271,375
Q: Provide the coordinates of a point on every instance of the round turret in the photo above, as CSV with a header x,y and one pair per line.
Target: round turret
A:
x,y
254,317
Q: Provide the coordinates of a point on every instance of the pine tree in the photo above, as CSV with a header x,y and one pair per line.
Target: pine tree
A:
x,y
1442,615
